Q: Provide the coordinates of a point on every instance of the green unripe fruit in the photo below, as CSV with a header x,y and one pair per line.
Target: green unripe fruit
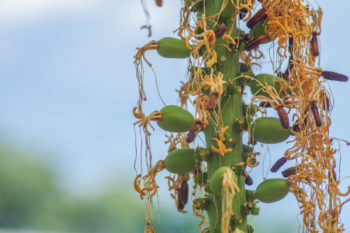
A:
x,y
180,161
215,184
175,119
259,29
173,48
229,9
260,81
214,7
272,190
269,130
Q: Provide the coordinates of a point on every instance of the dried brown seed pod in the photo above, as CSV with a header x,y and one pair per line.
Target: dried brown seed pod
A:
x,y
316,114
159,3
329,75
259,16
314,45
289,172
289,68
283,115
290,45
253,44
279,163
194,130
220,31
248,180
213,100
182,195
298,126
265,104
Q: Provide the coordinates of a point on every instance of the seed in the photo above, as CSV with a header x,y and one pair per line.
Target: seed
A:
x,y
279,163
314,45
180,161
316,114
220,31
272,190
289,172
182,195
173,48
253,44
175,119
259,16
282,114
269,130
329,75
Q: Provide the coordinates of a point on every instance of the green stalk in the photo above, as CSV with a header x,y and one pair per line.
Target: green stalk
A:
x,y
231,106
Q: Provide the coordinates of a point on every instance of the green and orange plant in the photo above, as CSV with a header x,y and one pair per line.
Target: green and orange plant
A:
x,y
222,56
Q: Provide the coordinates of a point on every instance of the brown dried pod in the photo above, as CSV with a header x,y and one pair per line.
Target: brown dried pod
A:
x,y
326,104
253,44
265,104
182,195
159,3
332,175
283,75
247,37
220,31
279,163
289,68
290,45
316,114
314,45
259,16
289,172
194,130
248,180
213,100
283,115
329,75
298,126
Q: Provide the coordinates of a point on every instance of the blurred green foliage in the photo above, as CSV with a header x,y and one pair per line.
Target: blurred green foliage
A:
x,y
26,188
30,198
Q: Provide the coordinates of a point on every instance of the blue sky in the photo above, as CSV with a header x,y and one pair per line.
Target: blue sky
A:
x,y
67,84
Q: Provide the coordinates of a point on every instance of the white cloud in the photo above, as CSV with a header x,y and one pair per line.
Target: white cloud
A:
x,y
20,11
